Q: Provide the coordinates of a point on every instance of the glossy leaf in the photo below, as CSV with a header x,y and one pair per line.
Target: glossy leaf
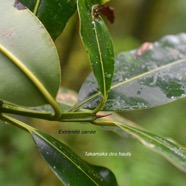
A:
x,y
53,14
98,43
69,168
28,57
173,152
151,76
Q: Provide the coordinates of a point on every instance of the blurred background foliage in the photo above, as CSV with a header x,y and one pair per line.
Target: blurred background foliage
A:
x,y
136,21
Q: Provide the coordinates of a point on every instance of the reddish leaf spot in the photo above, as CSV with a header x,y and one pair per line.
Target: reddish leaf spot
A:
x,y
107,11
143,48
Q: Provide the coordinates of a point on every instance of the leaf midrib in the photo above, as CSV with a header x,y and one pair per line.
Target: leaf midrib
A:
x,y
133,79
61,152
144,133
32,130
36,82
139,132
36,7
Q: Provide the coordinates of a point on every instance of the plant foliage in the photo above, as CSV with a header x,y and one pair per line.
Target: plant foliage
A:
x,y
139,79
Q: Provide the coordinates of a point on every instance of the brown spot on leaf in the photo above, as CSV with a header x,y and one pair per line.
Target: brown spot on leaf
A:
x,y
107,11
18,5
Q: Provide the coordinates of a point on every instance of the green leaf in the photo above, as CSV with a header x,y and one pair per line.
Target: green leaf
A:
x,y
66,98
29,64
173,152
69,168
98,43
156,77
53,14
169,149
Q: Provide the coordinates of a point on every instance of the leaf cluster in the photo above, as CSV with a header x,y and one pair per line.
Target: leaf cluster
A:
x,y
148,77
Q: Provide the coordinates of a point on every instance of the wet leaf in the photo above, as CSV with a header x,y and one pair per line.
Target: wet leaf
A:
x,y
28,57
151,76
98,43
69,167
53,14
